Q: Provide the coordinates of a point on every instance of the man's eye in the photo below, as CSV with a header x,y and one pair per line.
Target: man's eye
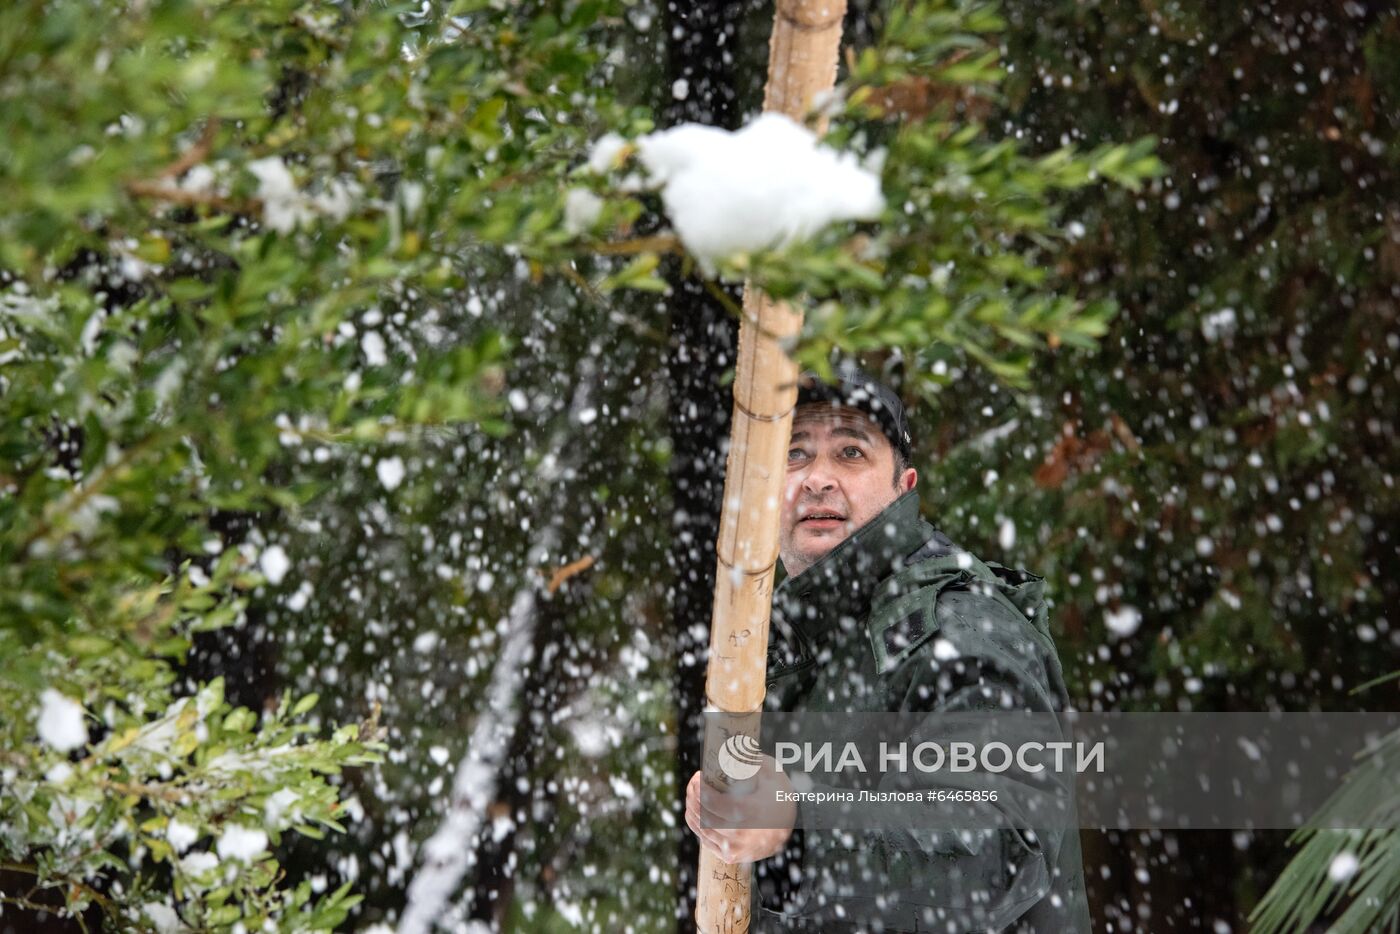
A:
x,y
795,454
853,451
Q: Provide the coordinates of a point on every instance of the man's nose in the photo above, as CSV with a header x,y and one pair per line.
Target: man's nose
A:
x,y
819,478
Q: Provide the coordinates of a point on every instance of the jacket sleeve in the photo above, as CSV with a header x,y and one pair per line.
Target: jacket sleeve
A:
x,y
977,655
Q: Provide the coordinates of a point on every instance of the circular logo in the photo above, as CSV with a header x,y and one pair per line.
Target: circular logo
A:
x,y
740,757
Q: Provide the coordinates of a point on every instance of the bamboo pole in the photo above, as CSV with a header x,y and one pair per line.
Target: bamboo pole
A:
x,y
801,64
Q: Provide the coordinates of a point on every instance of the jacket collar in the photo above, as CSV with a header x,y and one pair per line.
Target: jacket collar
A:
x,y
841,584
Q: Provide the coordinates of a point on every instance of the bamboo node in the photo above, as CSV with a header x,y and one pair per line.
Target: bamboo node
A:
x,y
758,416
811,17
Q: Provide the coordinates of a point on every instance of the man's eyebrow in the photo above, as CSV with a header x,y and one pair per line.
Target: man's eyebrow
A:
x,y
842,430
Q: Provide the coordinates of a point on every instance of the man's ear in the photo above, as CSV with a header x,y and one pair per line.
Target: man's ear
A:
x,y
908,479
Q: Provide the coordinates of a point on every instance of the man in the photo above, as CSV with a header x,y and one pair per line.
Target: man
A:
x,y
879,612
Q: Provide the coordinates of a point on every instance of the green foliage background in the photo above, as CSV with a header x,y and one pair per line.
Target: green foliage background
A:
x,y
398,370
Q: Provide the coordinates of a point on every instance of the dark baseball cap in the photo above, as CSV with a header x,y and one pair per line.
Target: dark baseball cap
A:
x,y
854,388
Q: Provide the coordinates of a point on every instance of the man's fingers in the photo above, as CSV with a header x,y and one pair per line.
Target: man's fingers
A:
x,y
713,814
713,805
721,843
722,807
715,843
692,817
703,805
750,812
709,838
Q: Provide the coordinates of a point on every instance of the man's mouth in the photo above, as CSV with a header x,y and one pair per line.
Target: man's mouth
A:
x,y
822,520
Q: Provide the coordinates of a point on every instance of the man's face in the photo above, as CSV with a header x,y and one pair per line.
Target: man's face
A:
x,y
840,474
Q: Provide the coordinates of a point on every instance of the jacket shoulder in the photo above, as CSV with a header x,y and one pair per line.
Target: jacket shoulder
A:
x,y
956,606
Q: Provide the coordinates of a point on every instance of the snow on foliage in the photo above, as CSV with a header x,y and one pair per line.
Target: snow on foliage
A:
x,y
61,722
581,210
766,185
285,206
242,843
180,835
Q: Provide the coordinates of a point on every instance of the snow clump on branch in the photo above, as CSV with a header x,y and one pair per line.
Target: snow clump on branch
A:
x,y
285,206
766,185
61,723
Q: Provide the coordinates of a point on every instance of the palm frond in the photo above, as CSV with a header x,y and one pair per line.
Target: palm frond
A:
x,y
1359,867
